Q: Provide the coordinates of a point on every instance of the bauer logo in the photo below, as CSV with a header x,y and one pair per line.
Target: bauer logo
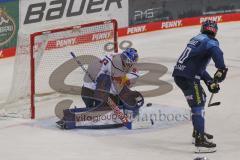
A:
x,y
213,18
137,29
171,24
58,9
7,27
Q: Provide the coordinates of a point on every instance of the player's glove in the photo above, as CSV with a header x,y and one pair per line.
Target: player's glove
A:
x,y
220,75
213,87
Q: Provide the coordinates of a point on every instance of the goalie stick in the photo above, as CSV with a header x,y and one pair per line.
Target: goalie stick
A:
x,y
110,102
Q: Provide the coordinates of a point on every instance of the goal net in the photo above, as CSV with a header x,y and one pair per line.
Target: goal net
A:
x,y
45,74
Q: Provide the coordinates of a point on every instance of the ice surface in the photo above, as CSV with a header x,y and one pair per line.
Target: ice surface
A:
x,y
26,139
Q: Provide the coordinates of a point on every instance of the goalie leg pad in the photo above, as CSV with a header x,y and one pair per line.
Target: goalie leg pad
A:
x,y
85,118
88,97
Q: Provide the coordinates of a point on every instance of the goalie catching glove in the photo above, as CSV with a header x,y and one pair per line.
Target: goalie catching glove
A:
x,y
132,100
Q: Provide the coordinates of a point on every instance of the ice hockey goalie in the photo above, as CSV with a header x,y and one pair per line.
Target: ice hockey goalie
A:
x,y
109,76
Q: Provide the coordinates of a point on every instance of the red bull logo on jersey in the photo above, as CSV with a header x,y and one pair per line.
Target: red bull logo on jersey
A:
x,y
171,24
213,18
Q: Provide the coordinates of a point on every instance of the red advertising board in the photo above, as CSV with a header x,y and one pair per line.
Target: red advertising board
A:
x,y
176,23
8,52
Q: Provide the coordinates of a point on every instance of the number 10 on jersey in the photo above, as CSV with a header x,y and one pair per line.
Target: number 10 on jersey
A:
x,y
184,55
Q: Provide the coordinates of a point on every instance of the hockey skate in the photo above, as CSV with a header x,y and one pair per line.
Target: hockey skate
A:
x,y
208,136
202,145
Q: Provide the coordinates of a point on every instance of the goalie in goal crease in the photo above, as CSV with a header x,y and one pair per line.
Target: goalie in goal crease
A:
x,y
110,76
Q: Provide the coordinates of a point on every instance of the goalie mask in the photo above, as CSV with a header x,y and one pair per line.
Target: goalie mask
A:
x,y
129,58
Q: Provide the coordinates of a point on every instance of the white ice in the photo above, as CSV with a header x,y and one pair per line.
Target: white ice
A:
x,y
22,139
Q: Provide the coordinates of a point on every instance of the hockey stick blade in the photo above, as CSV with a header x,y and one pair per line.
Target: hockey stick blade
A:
x,y
214,104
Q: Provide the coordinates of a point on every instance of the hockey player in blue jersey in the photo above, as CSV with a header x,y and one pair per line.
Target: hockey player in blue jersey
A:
x,y
191,69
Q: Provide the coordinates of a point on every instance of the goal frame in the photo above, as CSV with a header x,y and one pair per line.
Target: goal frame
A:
x,y
32,57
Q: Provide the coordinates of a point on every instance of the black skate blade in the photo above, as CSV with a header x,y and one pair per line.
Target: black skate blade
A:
x,y
205,150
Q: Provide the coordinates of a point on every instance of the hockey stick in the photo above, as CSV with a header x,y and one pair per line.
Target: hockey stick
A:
x,y
210,104
110,102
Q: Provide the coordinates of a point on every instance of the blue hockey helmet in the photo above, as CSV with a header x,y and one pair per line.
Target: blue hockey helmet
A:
x,y
209,27
129,56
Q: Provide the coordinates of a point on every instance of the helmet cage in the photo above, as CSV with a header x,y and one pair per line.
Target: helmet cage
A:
x,y
129,57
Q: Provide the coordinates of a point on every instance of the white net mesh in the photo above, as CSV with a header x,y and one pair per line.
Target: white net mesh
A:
x,y
56,74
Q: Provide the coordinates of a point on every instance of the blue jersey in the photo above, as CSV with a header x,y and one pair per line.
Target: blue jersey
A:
x,y
197,55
